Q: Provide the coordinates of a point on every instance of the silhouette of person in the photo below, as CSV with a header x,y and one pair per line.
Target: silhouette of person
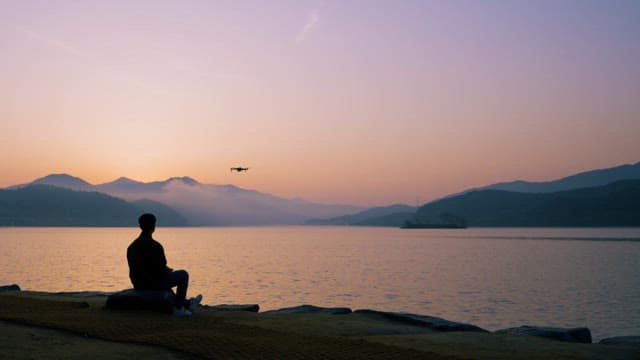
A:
x,y
148,268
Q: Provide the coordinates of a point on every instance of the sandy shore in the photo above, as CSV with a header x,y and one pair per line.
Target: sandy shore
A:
x,y
40,325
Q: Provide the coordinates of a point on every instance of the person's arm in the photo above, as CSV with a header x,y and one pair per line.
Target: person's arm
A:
x,y
163,259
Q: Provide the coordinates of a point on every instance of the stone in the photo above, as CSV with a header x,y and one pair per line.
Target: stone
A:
x,y
84,294
310,309
13,287
574,335
431,322
131,299
237,307
621,340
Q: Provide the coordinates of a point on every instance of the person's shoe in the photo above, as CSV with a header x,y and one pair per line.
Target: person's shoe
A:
x,y
195,302
181,312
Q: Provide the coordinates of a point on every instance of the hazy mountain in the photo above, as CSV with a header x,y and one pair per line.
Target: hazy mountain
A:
x,y
616,204
577,181
394,215
208,204
230,205
47,205
167,215
125,185
64,181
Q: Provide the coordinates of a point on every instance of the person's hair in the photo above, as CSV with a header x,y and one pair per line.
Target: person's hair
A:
x,y
147,222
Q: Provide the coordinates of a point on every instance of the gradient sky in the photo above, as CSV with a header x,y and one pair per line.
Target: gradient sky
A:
x,y
362,102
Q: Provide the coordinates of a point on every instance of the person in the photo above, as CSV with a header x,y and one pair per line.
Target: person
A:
x,y
148,268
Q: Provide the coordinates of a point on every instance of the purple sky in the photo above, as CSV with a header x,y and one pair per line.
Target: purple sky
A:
x,y
364,102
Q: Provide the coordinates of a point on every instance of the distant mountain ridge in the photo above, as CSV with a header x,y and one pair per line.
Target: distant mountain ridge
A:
x,y
120,185
615,204
587,179
48,205
393,215
206,204
123,186
62,180
580,180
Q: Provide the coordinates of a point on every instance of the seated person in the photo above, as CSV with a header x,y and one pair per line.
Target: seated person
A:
x,y
148,268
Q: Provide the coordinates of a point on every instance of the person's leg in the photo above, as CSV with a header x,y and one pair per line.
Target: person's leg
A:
x,y
179,278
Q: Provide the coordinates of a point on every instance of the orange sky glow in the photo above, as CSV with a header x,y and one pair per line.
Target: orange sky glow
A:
x,y
367,103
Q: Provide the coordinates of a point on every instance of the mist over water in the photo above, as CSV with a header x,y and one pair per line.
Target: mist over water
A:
x,y
493,278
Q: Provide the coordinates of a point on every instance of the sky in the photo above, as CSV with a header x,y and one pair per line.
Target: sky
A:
x,y
359,102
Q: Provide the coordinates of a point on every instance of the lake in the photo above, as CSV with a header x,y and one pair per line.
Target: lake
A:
x,y
490,277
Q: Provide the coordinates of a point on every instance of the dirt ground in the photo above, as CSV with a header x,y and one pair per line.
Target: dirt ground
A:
x,y
37,326
29,342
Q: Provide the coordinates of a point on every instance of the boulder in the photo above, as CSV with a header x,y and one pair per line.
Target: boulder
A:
x,y
131,299
310,309
13,287
229,307
431,322
574,335
621,340
84,294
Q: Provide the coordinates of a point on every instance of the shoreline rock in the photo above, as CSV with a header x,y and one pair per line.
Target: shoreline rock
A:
x,y
310,309
621,340
574,335
131,299
84,294
233,307
430,322
13,287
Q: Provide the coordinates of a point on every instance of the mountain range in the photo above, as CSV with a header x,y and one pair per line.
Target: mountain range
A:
x,y
204,204
582,199
520,193
580,180
615,204
394,215
47,205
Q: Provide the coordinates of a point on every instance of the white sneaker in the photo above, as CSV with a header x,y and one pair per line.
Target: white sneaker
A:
x,y
181,312
195,302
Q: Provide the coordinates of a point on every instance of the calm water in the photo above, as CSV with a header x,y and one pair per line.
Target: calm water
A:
x,y
493,278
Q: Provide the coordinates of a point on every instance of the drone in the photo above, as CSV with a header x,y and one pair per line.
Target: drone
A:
x,y
239,169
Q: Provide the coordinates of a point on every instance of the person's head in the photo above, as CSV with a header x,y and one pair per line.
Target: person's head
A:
x,y
147,223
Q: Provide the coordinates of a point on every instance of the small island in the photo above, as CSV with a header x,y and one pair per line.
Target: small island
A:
x,y
446,221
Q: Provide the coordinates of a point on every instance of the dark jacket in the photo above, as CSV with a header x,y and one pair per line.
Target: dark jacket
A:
x,y
147,263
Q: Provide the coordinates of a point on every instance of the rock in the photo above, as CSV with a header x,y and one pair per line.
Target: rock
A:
x,y
621,340
239,307
575,335
310,309
430,322
13,287
132,299
84,294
